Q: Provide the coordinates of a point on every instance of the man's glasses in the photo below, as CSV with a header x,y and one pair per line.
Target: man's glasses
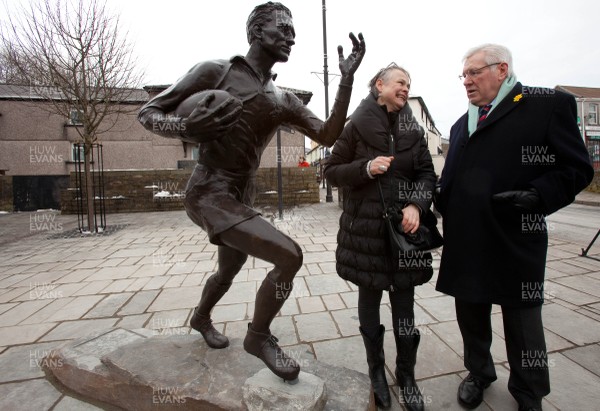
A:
x,y
475,72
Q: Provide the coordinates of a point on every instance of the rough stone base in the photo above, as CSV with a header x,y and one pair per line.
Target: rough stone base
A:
x,y
265,391
136,370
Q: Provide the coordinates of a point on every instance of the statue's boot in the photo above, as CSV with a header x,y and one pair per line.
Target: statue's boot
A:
x,y
201,321
259,341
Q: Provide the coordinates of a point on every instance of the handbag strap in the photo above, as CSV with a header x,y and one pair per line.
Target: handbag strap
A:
x,y
382,197
391,151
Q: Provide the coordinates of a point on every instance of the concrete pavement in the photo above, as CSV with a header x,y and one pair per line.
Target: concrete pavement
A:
x,y
149,271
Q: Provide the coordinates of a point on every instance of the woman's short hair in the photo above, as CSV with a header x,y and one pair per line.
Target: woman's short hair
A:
x,y
384,74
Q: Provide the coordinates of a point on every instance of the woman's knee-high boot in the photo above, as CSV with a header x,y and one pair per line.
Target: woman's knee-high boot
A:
x,y
406,359
376,362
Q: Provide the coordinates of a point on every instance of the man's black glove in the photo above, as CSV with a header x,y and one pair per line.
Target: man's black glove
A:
x,y
525,199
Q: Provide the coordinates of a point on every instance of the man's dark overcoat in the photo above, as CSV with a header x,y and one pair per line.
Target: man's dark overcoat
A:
x,y
496,253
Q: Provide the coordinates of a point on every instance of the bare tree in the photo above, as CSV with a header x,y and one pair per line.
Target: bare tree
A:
x,y
74,51
9,71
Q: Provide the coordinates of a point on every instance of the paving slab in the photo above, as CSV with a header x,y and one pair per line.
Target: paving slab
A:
x,y
138,284
347,321
168,319
71,329
441,308
72,404
333,302
23,334
133,322
581,283
174,298
113,273
76,276
343,352
92,287
497,397
587,357
14,293
7,306
49,310
118,286
109,305
139,303
23,362
32,395
311,304
316,327
570,325
325,284
555,290
21,311
230,312
573,387
239,292
433,356
76,308
156,283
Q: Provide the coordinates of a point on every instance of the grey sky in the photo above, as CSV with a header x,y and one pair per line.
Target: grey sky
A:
x,y
553,42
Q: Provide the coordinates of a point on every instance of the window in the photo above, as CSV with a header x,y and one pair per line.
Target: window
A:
x,y
593,113
77,153
75,117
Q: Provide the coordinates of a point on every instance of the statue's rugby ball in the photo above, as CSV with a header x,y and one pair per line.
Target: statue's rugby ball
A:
x,y
188,105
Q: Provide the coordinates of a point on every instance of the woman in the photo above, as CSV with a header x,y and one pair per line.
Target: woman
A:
x,y
383,142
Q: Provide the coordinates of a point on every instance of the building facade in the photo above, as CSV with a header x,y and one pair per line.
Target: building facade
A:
x,y
37,146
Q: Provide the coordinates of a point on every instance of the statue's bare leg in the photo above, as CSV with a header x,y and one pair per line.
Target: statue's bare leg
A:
x,y
229,264
260,239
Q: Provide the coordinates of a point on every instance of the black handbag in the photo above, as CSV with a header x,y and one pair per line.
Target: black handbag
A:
x,y
426,238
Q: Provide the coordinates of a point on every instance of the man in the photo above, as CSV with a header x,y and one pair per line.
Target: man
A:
x,y
221,190
516,156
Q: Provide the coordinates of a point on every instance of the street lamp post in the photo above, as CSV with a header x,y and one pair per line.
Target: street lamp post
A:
x,y
321,161
329,195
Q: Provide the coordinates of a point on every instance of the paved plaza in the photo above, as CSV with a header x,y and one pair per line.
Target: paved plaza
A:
x,y
149,269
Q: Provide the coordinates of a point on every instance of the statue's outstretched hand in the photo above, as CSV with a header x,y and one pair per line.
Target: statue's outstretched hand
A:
x,y
349,65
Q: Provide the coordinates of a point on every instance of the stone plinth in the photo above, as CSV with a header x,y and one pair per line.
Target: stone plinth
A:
x,y
265,391
136,370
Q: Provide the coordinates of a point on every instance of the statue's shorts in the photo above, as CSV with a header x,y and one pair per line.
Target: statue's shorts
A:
x,y
217,200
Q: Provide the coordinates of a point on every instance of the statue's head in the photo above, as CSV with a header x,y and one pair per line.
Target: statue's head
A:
x,y
263,13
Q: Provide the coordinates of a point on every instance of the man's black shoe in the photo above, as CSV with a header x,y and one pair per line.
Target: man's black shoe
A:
x,y
470,392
